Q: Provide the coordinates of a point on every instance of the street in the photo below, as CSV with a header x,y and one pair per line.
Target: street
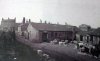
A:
x,y
68,52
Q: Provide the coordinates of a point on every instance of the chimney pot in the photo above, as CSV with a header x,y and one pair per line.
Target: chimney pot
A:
x,y
23,20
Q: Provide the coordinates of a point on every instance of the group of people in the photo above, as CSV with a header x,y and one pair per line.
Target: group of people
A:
x,y
61,42
93,50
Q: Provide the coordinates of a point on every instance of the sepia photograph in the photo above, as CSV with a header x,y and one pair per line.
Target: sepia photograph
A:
x,y
49,30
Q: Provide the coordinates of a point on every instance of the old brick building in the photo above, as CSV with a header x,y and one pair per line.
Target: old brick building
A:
x,y
42,32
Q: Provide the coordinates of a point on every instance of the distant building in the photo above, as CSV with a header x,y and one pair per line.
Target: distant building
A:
x,y
95,34
92,36
22,28
8,24
16,26
84,27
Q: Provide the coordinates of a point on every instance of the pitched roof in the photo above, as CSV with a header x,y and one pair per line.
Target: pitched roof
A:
x,y
83,32
90,32
95,32
24,26
16,26
51,27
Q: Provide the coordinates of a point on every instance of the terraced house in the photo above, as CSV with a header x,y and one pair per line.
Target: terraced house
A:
x,y
43,32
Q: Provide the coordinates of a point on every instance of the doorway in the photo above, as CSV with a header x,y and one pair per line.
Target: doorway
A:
x,y
44,37
81,38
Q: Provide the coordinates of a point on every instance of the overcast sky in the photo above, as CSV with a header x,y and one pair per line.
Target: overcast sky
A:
x,y
74,12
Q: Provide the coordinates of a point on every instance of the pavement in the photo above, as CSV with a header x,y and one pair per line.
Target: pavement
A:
x,y
60,52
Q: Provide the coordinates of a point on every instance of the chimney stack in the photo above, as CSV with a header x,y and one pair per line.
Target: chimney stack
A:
x,y
29,20
49,23
45,22
15,18
57,23
66,23
40,21
2,19
23,20
8,18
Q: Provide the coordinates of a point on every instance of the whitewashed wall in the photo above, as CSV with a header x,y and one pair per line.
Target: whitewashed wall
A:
x,y
19,30
33,33
77,37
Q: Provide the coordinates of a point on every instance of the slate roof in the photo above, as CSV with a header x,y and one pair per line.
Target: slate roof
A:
x,y
83,33
90,32
95,32
51,27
